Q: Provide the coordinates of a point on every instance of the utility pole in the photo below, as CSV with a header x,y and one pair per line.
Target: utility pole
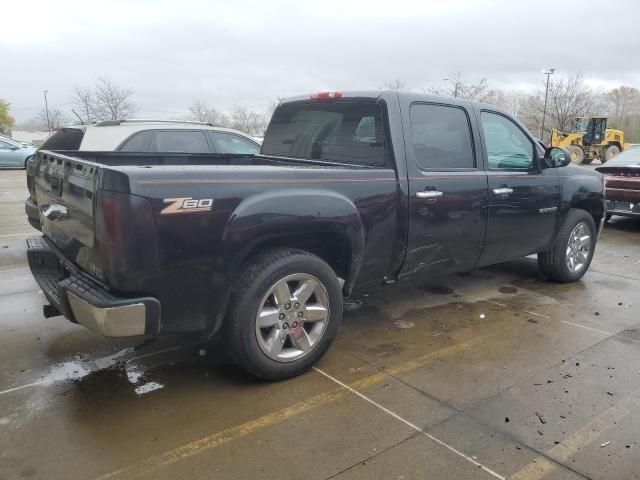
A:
x,y
46,109
456,83
548,73
86,107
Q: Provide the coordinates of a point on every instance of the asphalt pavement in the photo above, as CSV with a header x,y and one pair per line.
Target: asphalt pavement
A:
x,y
491,374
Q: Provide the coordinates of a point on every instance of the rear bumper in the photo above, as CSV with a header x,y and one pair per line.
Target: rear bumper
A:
x,y
33,214
84,301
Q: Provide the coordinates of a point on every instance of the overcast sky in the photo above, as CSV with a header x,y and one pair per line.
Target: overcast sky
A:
x,y
174,52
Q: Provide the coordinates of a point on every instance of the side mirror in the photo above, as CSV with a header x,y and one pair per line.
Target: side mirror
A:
x,y
555,157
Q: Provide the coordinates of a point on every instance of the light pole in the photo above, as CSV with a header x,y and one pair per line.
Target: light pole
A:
x,y
46,109
455,86
548,73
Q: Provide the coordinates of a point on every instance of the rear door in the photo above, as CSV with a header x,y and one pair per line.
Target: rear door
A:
x,y
447,188
524,198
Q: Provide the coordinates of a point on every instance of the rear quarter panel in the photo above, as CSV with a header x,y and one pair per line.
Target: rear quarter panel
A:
x,y
199,250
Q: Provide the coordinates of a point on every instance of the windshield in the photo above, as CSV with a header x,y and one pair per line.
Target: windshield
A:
x,y
582,124
341,132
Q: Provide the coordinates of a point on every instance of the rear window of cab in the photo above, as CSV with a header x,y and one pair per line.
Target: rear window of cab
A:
x,y
341,132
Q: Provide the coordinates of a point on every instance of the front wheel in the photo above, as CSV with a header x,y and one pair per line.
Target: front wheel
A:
x,y
571,255
576,154
285,310
610,152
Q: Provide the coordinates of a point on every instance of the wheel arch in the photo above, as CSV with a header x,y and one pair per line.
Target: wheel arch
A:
x,y
323,223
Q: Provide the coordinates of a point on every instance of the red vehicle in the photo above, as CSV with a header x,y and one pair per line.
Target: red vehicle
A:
x,y
622,177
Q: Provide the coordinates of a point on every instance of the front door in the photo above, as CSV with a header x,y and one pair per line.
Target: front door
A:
x,y
447,189
524,198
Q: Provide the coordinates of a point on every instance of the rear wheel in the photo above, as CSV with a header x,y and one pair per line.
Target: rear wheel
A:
x,y
610,152
571,255
285,310
576,154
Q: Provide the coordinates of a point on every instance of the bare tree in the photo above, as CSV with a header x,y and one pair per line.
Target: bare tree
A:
x,y
568,98
105,101
623,101
200,111
456,86
56,118
395,85
248,121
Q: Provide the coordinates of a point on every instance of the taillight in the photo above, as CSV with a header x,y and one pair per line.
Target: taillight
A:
x,y
325,95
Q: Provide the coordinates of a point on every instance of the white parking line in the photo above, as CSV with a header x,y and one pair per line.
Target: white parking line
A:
x,y
17,235
411,425
15,389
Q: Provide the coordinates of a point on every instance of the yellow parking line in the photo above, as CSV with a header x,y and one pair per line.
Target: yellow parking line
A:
x,y
195,447
562,452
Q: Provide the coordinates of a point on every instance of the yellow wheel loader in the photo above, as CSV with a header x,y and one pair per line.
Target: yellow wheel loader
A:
x,y
590,140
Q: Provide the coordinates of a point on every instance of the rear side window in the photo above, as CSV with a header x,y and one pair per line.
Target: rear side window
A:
x,y
331,131
180,141
229,143
441,137
138,143
64,139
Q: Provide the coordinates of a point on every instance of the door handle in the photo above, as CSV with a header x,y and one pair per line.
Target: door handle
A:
x,y
503,191
426,194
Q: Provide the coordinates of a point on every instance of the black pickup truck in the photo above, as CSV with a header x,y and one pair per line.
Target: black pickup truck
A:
x,y
350,190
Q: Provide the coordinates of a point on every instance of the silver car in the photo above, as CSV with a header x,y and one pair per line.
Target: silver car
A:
x,y
14,154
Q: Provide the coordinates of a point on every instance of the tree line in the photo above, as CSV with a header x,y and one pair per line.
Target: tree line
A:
x,y
568,97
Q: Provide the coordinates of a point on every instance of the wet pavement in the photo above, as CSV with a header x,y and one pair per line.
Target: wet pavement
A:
x,y
492,374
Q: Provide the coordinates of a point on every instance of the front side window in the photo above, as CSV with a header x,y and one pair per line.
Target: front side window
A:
x,y
229,143
441,137
507,146
180,141
5,145
343,132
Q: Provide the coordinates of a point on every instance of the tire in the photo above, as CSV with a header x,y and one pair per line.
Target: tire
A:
x,y
587,160
555,264
610,152
283,348
576,154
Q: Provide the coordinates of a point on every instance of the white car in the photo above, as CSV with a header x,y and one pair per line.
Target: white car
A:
x,y
155,136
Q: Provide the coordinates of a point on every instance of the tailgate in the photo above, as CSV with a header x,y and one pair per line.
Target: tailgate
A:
x,y
108,234
65,189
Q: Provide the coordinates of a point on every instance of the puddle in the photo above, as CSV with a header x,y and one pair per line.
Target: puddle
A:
x,y
508,290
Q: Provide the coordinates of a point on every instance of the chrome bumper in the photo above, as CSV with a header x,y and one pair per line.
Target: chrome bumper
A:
x,y
122,321
82,300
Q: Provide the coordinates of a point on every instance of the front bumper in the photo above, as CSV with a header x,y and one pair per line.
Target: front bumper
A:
x,y
84,301
624,209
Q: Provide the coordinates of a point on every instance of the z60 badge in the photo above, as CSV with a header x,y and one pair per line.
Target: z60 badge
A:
x,y
186,205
